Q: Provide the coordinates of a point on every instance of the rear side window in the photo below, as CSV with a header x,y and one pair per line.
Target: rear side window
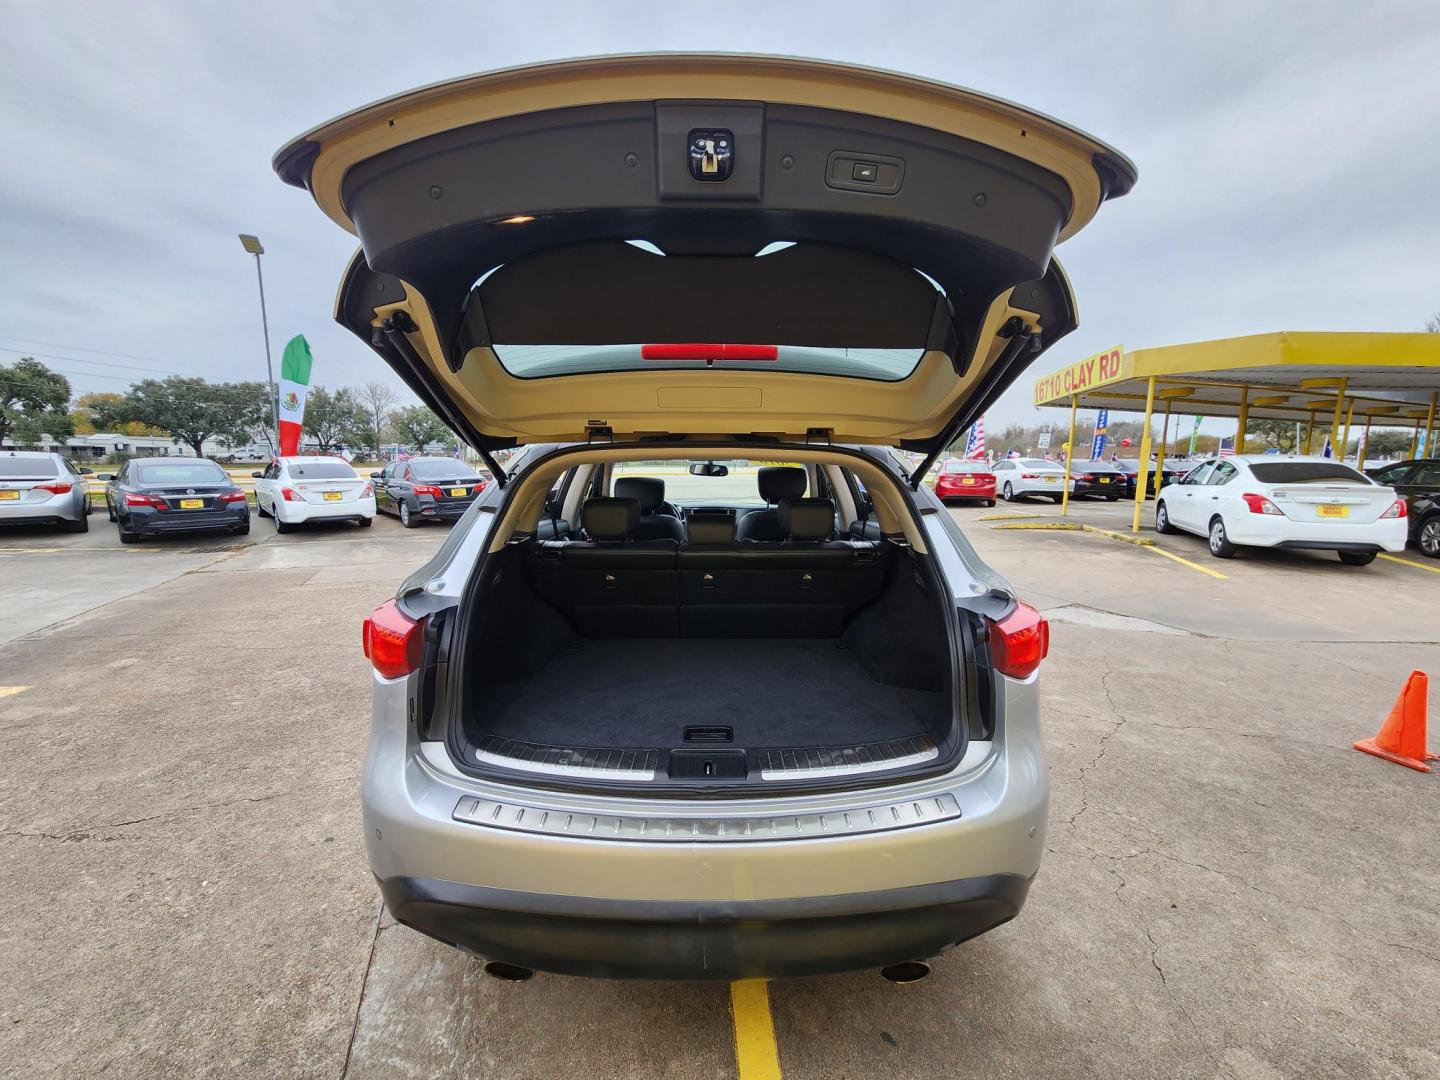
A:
x,y
200,472
1426,476
27,468
1305,472
1224,473
321,470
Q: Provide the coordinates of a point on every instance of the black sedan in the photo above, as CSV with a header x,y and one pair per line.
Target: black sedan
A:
x,y
1171,474
426,489
1417,481
152,496
1097,479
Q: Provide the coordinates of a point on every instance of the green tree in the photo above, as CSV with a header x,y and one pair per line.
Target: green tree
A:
x,y
376,400
417,427
88,406
34,401
333,418
1279,434
192,410
1386,443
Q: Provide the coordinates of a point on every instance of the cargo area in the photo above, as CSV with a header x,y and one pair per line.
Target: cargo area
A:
x,y
650,662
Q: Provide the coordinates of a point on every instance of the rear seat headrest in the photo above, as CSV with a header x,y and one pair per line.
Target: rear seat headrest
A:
x,y
778,482
646,490
609,519
710,529
807,519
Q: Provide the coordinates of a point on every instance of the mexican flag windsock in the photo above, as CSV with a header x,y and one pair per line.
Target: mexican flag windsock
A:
x,y
294,386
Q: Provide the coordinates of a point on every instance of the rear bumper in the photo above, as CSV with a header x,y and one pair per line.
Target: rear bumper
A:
x,y
154,523
26,512
1389,535
296,513
742,939
445,511
970,491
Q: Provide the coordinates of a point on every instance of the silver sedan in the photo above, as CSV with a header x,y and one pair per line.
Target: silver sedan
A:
x,y
42,488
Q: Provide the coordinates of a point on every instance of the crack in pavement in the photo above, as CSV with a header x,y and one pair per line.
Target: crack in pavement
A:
x,y
364,985
1104,741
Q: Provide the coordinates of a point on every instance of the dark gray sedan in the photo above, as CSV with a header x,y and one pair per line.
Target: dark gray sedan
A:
x,y
426,489
153,496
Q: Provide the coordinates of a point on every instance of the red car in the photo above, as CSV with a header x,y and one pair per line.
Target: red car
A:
x,y
966,480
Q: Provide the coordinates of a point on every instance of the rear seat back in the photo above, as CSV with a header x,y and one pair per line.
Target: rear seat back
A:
x,y
712,586
608,584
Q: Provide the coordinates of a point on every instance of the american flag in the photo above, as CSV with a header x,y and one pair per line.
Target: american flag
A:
x,y
975,445
1227,447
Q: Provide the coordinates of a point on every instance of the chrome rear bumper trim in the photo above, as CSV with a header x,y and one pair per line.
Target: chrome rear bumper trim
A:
x,y
597,763
820,761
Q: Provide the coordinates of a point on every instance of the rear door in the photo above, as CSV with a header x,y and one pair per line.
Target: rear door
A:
x,y
633,247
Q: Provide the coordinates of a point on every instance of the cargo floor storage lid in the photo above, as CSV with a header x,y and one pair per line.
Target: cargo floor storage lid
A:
x,y
493,214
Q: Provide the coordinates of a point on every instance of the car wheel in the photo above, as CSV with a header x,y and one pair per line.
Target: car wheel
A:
x,y
1429,539
281,526
1007,492
260,508
1220,545
1162,520
366,522
126,536
83,525
989,502
1111,498
405,518
242,530
109,510
1356,558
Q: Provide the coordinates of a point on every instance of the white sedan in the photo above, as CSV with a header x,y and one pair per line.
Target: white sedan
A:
x,y
1256,500
1017,477
295,490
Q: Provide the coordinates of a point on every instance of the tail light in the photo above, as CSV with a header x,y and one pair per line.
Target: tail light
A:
x,y
292,495
1086,476
367,491
393,641
1019,641
231,497
1398,509
57,488
136,499
1259,504
427,489
1029,476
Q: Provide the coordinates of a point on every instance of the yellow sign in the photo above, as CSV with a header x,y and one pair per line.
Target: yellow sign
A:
x,y
1103,367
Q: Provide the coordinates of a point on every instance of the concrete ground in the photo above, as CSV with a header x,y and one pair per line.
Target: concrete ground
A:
x,y
1229,890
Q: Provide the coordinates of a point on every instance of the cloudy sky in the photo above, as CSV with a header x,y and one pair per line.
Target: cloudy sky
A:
x,y
1289,156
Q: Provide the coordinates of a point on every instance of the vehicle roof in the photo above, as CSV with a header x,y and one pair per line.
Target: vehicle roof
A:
x,y
300,459
173,459
32,453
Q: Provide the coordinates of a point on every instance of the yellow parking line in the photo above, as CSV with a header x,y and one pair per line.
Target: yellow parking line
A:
x,y
756,1055
11,691
1406,562
1187,562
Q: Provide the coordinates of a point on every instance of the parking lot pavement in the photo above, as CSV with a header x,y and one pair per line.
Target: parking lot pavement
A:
x,y
1229,889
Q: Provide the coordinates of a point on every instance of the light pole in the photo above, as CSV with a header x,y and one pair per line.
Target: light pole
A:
x,y
254,247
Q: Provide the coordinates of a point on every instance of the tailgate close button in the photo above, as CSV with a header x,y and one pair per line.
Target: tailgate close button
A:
x,y
865,171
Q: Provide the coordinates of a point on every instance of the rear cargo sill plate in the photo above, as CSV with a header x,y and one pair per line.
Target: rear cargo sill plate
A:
x,y
865,819
807,762
568,760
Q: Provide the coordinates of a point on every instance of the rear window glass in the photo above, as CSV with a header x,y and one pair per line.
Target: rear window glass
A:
x,y
538,361
28,468
965,466
321,470
1037,463
1305,472
201,472
442,470
740,486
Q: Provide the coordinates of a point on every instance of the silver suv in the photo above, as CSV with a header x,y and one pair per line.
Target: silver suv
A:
x,y
706,684
42,488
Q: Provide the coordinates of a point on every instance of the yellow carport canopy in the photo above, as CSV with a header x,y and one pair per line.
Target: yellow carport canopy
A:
x,y
1385,379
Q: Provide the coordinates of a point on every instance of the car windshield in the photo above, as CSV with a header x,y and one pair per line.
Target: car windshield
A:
x,y
1305,472
739,487
535,361
196,472
28,468
442,469
321,470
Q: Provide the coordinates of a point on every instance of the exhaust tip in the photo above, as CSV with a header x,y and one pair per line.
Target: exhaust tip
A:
x,y
498,969
907,971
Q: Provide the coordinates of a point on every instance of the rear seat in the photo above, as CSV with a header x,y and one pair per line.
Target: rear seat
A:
x,y
806,585
610,585
712,586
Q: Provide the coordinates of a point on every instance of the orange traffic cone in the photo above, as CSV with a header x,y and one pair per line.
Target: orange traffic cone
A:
x,y
1401,738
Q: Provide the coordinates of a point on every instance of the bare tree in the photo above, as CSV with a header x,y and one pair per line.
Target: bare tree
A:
x,y
1433,325
376,402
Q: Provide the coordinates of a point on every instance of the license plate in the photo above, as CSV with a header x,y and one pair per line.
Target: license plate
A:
x,y
1052,479
192,504
333,496
967,480
9,494
1333,510
457,493
1104,479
